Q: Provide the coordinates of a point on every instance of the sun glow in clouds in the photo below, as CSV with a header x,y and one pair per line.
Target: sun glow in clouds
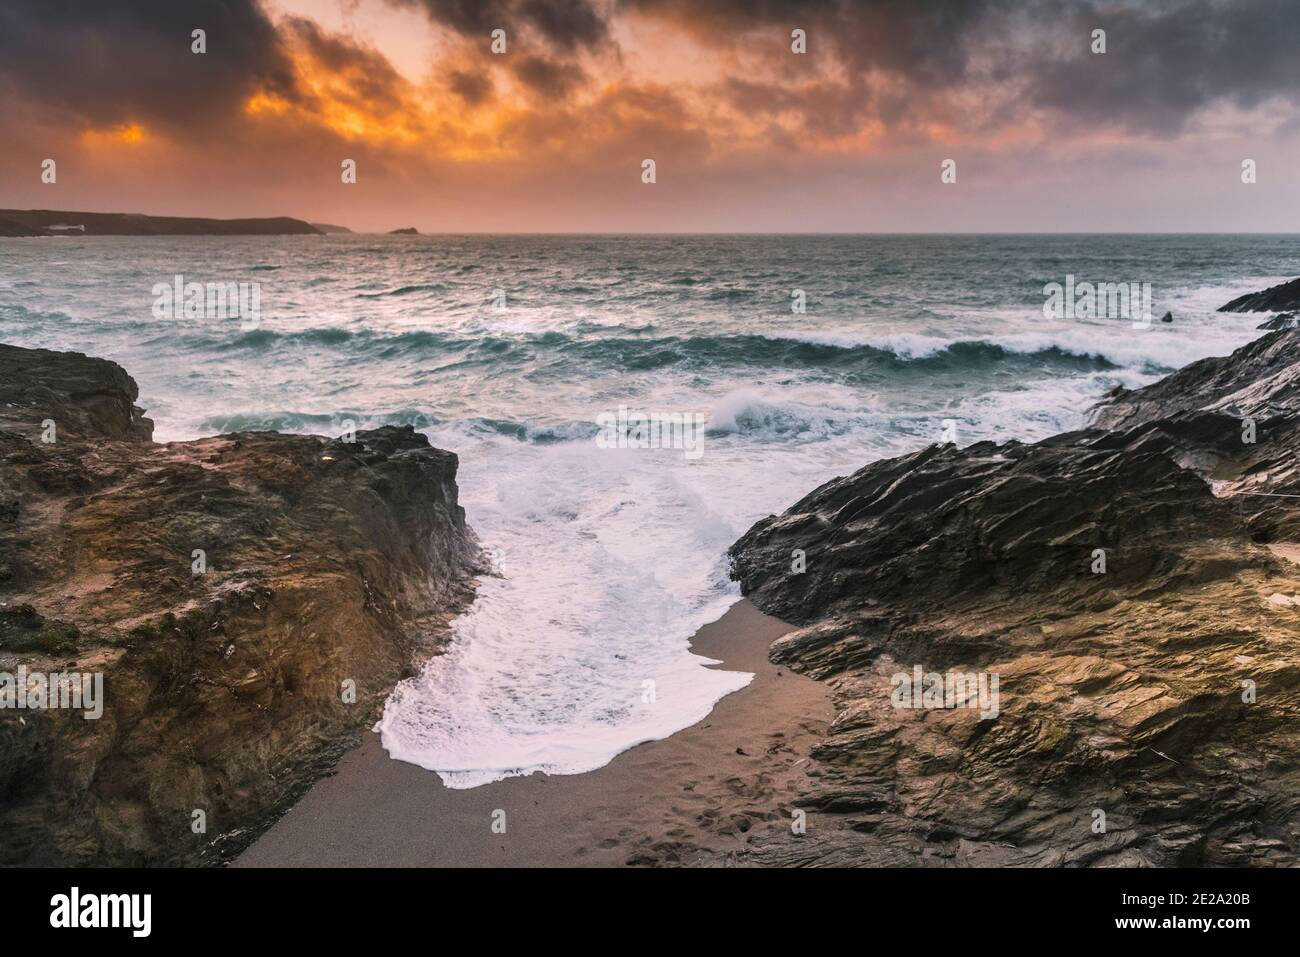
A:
x,y
130,133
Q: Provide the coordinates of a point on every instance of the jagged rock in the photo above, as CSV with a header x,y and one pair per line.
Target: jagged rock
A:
x,y
1260,378
86,398
1121,691
1286,320
1236,425
326,561
1281,298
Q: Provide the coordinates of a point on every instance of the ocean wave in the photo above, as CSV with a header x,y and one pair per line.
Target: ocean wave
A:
x,y
404,291
1084,352
264,338
313,423
814,351
1155,349
748,412
297,422
18,312
536,434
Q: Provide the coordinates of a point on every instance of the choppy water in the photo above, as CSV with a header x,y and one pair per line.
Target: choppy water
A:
x,y
611,558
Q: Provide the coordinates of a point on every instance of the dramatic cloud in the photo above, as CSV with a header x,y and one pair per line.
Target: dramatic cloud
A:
x,y
1167,62
549,77
473,88
747,133
565,24
111,63
357,75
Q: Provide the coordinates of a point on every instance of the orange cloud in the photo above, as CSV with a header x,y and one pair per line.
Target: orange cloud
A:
x,y
129,133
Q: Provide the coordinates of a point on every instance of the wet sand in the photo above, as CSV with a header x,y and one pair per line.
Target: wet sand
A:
x,y
698,797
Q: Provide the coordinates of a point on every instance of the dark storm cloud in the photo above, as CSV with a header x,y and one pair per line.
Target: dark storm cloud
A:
x,y
565,24
1165,60
840,109
473,88
107,63
550,78
926,40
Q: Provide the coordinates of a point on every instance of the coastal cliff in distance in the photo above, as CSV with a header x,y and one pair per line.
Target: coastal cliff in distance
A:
x,y
250,600
53,222
1133,586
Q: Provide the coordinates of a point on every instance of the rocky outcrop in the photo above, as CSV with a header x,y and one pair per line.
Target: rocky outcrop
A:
x,y
1281,298
1134,589
1286,320
84,398
249,599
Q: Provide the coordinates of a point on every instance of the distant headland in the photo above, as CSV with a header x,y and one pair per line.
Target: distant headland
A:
x,y
53,222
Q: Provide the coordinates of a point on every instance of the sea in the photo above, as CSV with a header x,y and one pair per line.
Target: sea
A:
x,y
803,358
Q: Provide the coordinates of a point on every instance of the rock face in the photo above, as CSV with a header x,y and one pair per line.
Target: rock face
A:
x,y
1281,298
93,398
1132,586
1286,320
326,566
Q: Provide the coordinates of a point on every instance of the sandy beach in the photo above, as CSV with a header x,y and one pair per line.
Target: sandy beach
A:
x,y
694,798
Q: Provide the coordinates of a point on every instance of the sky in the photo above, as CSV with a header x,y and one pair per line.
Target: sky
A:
x,y
1045,134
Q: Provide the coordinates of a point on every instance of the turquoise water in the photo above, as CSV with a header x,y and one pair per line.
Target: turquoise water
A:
x,y
609,559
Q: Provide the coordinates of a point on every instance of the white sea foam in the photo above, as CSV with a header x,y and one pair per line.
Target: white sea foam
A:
x,y
608,564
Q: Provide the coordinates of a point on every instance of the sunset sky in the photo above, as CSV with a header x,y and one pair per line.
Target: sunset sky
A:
x,y
746,134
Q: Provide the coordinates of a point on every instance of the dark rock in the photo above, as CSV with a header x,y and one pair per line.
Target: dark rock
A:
x,y
326,561
1286,320
1120,691
1281,298
1167,317
407,231
85,398
1259,378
